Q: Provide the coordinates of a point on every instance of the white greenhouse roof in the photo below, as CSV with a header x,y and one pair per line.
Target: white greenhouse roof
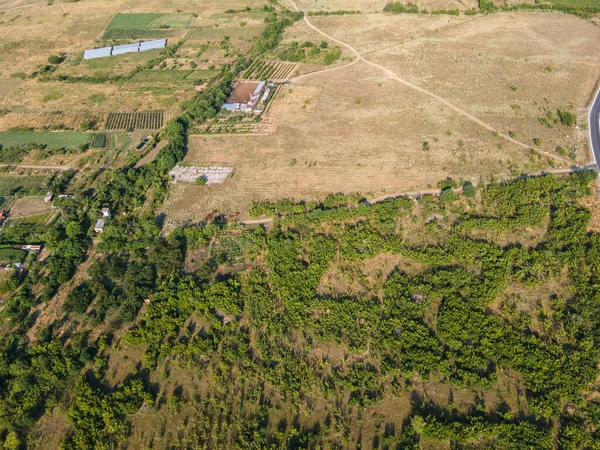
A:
x,y
97,53
127,48
151,45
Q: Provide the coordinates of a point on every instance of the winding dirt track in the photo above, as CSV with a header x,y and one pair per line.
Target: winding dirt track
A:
x,y
392,75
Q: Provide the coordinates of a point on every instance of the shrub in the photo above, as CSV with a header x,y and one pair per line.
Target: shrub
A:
x,y
56,59
567,118
448,195
200,181
469,190
79,299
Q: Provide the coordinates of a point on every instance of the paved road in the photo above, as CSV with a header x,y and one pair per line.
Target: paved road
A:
x,y
594,126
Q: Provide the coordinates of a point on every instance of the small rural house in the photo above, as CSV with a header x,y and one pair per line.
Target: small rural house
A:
x,y
49,196
105,212
99,227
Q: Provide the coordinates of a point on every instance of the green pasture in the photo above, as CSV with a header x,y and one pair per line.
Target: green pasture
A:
x,y
58,139
149,25
22,184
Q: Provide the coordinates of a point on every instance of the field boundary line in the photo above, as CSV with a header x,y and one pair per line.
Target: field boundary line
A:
x,y
424,91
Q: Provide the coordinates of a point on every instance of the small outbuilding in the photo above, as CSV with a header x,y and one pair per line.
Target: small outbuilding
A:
x,y
99,227
49,196
105,212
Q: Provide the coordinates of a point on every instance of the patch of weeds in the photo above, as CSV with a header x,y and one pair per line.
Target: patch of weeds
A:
x,y
52,96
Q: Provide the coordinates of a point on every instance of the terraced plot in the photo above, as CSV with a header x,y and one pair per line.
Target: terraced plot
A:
x,y
152,120
270,70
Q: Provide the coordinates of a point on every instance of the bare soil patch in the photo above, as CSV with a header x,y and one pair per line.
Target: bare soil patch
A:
x,y
242,92
29,206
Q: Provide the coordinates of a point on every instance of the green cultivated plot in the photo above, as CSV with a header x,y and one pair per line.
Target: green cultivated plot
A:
x,y
8,255
592,4
133,26
27,185
65,139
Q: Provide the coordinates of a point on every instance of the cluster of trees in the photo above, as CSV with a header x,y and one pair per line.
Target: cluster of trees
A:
x,y
487,6
307,50
260,324
467,346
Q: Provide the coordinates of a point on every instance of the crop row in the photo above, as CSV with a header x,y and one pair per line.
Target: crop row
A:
x,y
101,140
265,70
135,121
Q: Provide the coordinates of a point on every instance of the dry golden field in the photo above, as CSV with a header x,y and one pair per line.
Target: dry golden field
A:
x,y
507,69
370,6
346,130
30,32
354,129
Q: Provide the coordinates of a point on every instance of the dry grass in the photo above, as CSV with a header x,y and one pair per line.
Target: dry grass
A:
x,y
29,206
370,6
347,130
6,86
476,63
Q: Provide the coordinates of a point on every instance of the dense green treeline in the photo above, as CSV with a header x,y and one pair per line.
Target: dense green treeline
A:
x,y
250,312
488,6
467,346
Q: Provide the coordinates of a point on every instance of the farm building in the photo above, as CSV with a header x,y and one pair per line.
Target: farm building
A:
x,y
105,212
32,248
127,48
97,53
99,227
234,107
245,96
153,45
49,196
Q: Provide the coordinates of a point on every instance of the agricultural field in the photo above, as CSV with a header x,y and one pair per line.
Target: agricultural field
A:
x,y
101,140
146,26
135,121
51,139
32,210
270,70
21,185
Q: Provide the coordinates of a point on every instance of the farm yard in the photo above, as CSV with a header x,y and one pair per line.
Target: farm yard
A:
x,y
30,209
